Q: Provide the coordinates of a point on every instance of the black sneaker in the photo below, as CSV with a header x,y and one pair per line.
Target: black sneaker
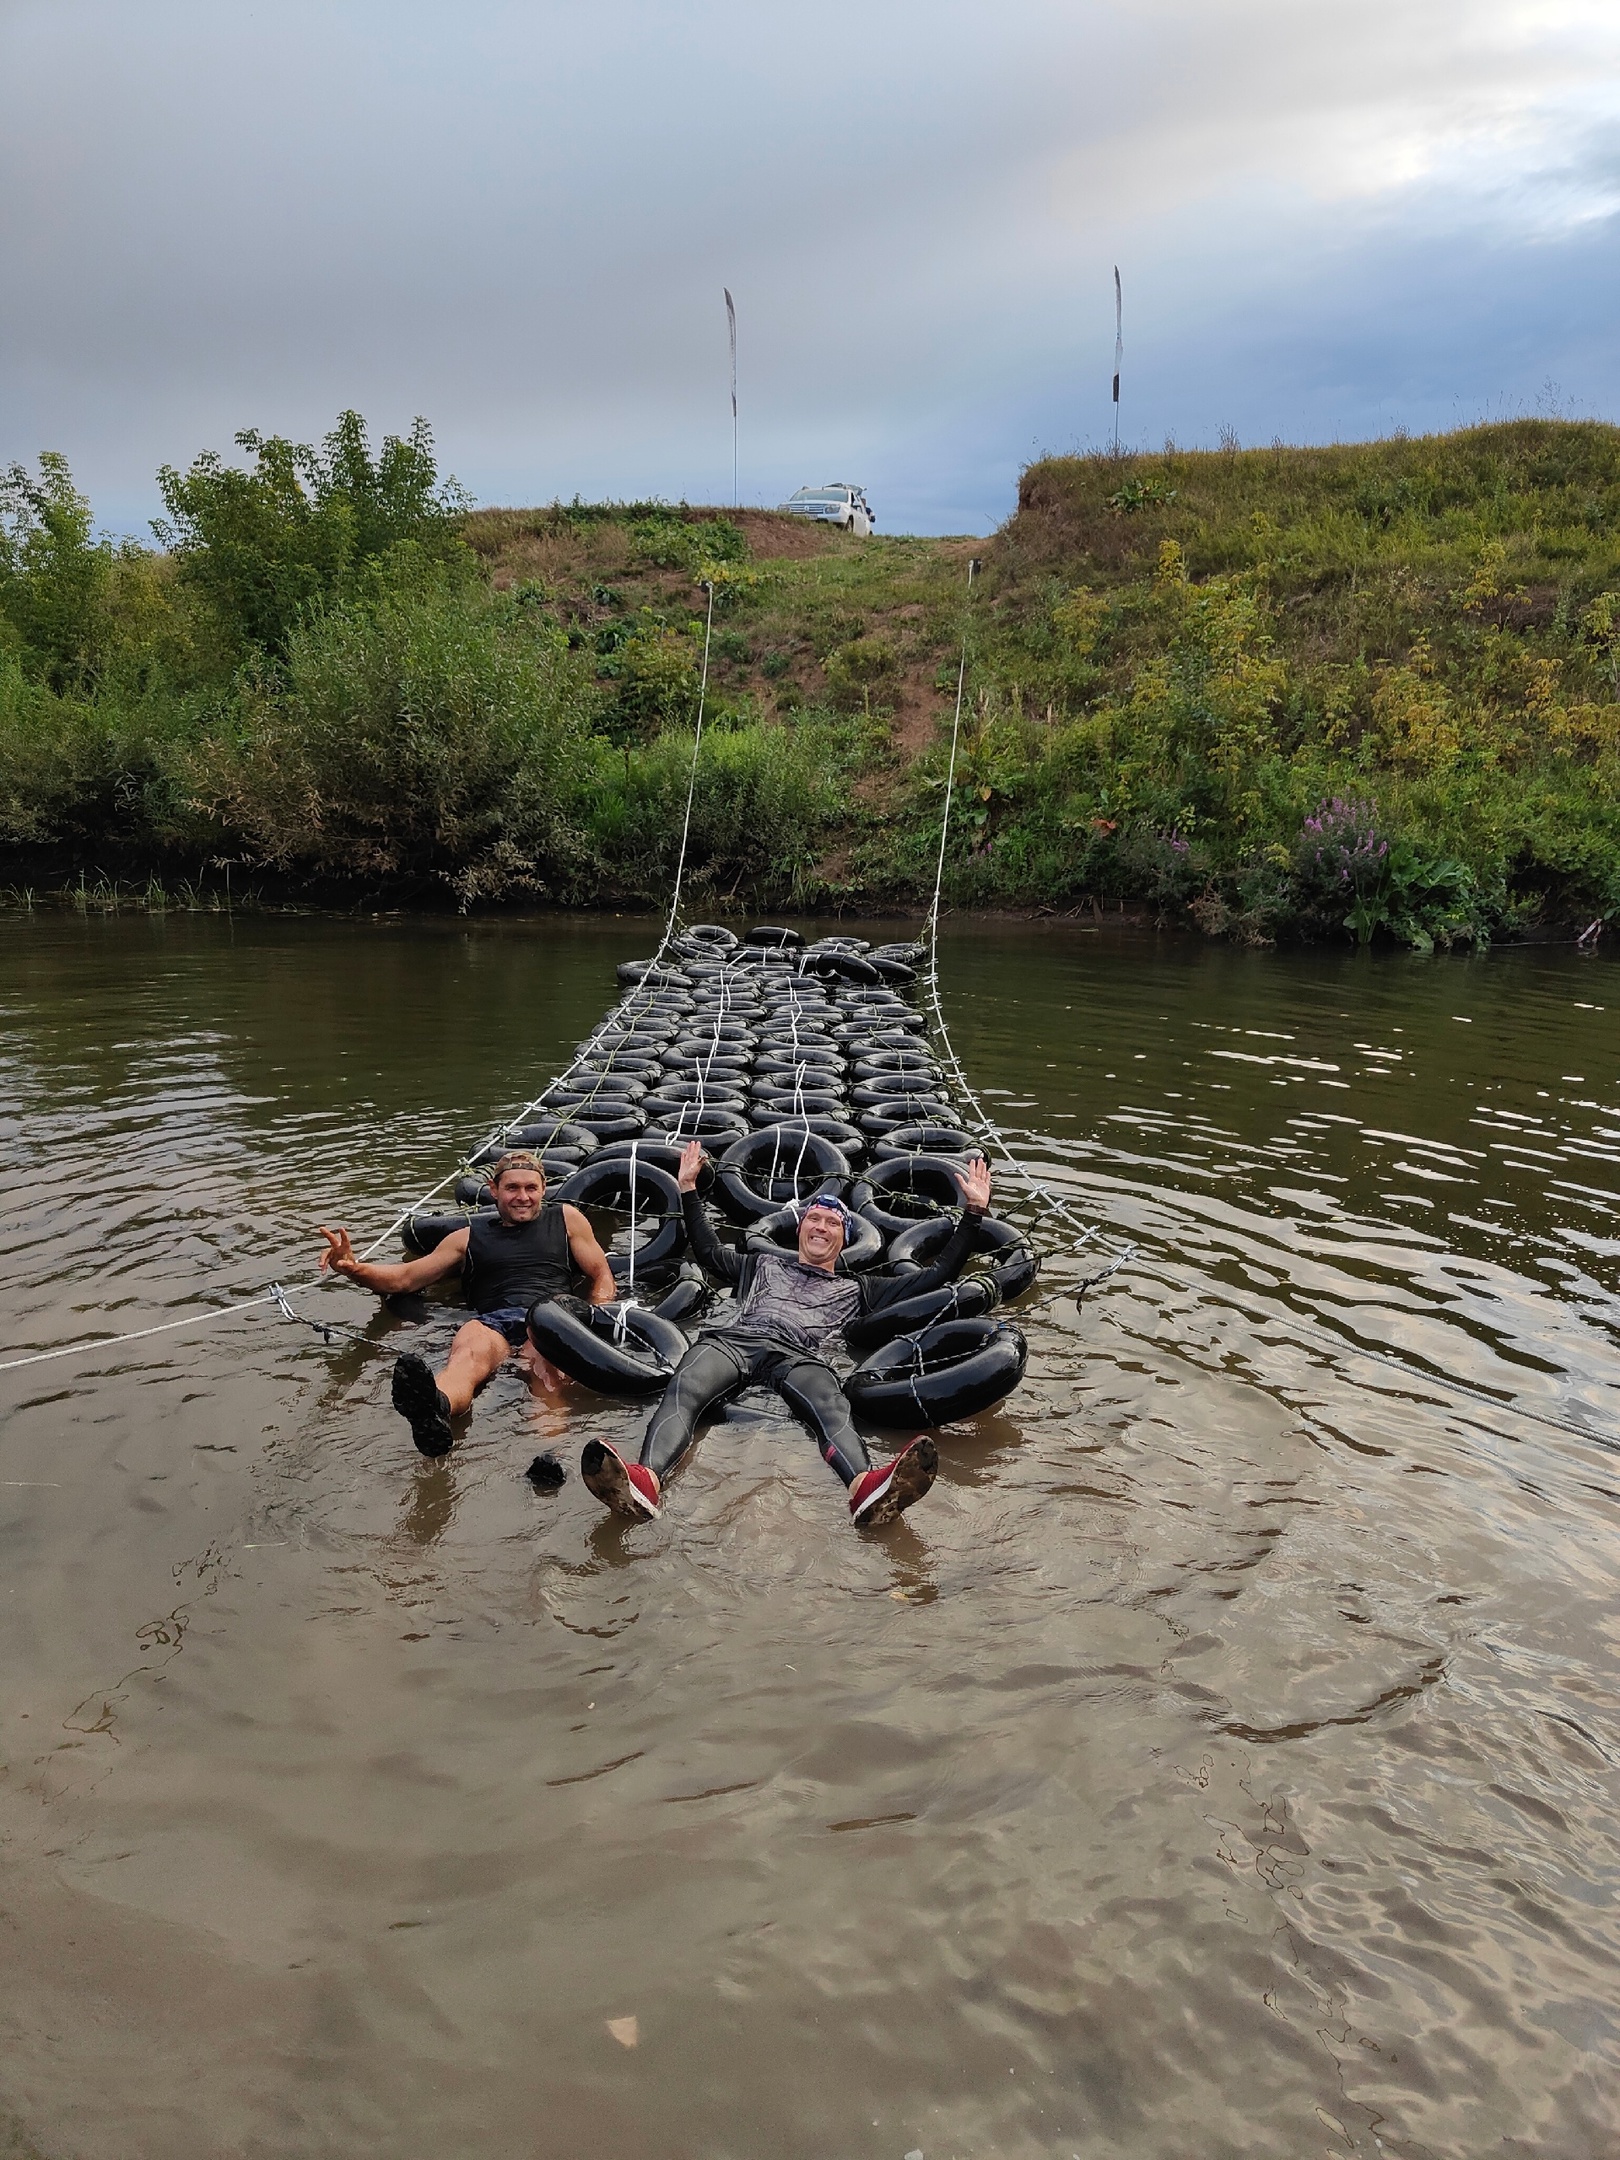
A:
x,y
423,1405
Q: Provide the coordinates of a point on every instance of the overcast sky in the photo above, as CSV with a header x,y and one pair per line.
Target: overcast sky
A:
x,y
1333,218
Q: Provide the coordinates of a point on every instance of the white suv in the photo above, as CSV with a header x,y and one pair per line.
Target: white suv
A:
x,y
835,504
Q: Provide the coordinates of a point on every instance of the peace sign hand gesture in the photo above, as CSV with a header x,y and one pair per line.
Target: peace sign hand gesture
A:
x,y
339,1257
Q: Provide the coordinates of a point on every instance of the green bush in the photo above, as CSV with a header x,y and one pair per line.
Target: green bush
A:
x,y
671,539
104,777
1178,667
428,732
1172,673
859,672
264,548
655,677
54,576
765,801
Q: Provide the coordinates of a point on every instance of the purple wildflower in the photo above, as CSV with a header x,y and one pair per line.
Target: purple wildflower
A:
x,y
1340,845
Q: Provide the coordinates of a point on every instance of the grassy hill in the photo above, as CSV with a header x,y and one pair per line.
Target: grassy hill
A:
x,y
1358,691
1378,682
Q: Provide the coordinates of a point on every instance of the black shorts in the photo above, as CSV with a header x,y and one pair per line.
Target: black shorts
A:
x,y
511,1321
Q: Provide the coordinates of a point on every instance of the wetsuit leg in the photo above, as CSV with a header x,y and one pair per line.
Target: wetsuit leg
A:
x,y
812,1391
709,1372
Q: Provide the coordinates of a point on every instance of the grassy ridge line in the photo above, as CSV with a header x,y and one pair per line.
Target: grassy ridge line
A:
x,y
1357,690
1371,685
1368,690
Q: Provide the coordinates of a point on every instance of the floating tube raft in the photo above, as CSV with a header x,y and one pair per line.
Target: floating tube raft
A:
x,y
793,1063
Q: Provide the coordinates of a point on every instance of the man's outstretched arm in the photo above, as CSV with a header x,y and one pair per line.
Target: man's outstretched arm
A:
x,y
714,1258
881,1290
387,1279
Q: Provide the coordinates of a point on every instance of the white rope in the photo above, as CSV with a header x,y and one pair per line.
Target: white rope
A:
x,y
626,1010
164,1327
931,927
630,1286
988,1129
626,1006
277,1295
691,787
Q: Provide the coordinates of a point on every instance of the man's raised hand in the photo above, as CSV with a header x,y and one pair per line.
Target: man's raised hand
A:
x,y
338,1258
692,1160
975,1184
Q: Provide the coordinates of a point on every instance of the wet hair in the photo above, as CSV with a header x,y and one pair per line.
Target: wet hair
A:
x,y
517,1159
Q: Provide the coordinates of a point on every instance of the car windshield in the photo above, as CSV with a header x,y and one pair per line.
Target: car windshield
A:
x,y
818,495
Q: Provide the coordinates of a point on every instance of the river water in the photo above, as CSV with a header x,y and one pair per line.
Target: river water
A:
x,y
1222,1760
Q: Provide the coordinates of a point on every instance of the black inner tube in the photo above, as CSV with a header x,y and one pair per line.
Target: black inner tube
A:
x,y
794,1158
969,1299
616,1183
948,1371
911,1188
1013,1264
616,1350
691,1122
663,1155
906,1110
923,1140
539,1139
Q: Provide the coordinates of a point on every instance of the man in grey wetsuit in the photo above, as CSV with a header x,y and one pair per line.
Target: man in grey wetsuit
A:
x,y
788,1309
526,1252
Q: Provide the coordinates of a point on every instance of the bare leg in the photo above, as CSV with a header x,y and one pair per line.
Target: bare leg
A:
x,y
541,1375
476,1352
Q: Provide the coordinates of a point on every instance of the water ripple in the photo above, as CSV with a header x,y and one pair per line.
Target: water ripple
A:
x,y
1224,1758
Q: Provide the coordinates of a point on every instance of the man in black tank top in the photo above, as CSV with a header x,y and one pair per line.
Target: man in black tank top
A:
x,y
528,1253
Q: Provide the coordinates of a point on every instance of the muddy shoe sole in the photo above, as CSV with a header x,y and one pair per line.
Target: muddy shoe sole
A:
x,y
423,1407
606,1476
910,1476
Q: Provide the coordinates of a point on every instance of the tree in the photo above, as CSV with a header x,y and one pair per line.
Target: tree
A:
x,y
53,574
268,547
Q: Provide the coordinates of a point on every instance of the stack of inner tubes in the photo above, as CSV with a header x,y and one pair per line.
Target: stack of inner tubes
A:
x,y
803,1068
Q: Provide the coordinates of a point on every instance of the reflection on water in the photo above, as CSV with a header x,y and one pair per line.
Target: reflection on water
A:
x,y
1223,1759
432,1503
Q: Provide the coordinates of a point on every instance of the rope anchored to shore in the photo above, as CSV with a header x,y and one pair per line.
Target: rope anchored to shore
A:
x,y
988,1129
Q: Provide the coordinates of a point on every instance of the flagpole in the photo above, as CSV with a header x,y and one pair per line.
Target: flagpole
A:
x,y
1119,348
731,324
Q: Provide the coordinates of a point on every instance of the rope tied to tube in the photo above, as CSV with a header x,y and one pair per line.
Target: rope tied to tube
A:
x,y
630,1286
988,1129
330,1331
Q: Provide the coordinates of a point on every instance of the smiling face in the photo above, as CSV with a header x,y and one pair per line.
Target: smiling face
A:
x,y
520,1193
821,1236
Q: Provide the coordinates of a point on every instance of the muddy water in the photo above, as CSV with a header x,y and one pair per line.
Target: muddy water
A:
x,y
1221,1761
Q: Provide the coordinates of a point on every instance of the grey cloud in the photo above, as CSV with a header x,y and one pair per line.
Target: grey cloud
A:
x,y
517,220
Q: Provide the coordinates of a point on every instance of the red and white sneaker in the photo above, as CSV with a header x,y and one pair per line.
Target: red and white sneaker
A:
x,y
880,1494
627,1488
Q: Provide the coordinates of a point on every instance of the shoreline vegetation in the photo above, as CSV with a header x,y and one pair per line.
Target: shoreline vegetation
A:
x,y
1368,692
